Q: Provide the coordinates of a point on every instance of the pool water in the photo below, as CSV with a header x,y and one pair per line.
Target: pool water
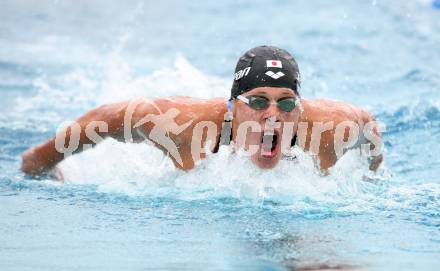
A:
x,y
124,206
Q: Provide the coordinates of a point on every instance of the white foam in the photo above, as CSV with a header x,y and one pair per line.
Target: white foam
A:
x,y
181,80
82,89
143,170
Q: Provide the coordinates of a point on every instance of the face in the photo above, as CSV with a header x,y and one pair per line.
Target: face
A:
x,y
261,132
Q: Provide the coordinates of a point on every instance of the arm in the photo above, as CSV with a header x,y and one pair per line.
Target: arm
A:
x,y
374,138
369,141
332,142
131,122
44,157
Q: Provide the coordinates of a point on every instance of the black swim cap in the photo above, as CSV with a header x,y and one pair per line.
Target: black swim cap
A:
x,y
265,66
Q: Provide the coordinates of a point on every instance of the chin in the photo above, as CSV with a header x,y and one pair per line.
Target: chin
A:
x,y
266,163
268,160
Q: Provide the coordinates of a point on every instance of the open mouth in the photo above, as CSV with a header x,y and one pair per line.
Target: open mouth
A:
x,y
269,144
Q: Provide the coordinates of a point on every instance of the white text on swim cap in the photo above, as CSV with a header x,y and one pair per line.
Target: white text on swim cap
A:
x,y
242,73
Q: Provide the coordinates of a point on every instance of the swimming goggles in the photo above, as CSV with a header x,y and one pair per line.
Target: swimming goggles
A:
x,y
286,104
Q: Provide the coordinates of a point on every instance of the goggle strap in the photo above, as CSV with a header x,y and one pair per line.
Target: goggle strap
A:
x,y
230,105
243,99
299,105
225,135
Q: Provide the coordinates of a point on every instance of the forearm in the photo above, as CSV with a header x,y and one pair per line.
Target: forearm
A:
x,y
44,157
81,134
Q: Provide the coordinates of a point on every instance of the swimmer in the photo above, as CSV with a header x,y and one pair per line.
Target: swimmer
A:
x,y
264,116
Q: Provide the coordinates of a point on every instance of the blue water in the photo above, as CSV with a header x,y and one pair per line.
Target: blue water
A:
x,y
124,207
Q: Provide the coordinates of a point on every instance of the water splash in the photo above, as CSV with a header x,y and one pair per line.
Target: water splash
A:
x,y
141,170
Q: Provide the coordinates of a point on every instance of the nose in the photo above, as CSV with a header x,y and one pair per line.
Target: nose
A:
x,y
271,112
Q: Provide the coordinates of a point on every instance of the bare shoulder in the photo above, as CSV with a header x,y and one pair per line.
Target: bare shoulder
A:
x,y
184,107
324,110
190,102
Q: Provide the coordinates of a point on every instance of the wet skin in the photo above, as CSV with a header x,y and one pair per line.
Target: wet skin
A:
x,y
44,157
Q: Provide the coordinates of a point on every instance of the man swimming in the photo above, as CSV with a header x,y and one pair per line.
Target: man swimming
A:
x,y
263,118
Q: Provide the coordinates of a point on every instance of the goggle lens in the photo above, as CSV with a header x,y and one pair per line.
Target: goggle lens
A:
x,y
287,104
260,103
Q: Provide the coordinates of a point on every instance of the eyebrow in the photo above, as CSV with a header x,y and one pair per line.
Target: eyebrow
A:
x,y
288,92
259,93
